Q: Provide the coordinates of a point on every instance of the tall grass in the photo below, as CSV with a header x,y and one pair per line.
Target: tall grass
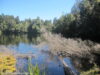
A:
x,y
34,70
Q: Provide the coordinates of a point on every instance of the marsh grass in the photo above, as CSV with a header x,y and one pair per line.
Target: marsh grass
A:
x,y
33,70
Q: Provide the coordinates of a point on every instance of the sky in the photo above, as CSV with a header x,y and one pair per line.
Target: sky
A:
x,y
45,9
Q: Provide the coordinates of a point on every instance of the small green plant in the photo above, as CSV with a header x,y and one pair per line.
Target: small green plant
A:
x,y
33,70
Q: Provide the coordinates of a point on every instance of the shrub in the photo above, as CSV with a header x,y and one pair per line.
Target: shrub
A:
x,y
7,64
58,44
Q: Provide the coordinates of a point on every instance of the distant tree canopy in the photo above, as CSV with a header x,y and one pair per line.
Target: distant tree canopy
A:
x,y
11,24
83,21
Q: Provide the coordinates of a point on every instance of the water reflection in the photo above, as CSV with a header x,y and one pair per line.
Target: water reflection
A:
x,y
24,44
16,39
47,62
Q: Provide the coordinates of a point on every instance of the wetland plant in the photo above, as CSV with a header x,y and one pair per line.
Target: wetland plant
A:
x,y
33,70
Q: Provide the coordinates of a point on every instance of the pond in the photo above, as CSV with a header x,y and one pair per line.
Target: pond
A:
x,y
24,44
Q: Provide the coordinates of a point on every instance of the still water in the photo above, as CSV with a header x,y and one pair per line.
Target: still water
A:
x,y
24,44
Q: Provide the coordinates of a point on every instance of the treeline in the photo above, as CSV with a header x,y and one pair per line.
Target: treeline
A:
x,y
13,25
83,21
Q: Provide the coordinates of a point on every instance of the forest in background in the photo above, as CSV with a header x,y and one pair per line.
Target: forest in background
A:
x,y
83,22
12,25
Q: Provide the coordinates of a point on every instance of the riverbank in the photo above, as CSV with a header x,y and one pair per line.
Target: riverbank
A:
x,y
83,53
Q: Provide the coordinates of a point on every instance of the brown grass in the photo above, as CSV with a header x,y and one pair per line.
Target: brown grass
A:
x,y
60,45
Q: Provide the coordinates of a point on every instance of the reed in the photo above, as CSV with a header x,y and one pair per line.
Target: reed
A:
x,y
33,70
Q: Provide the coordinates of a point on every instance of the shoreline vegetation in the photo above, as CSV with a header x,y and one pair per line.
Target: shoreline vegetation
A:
x,y
8,61
75,49
78,50
75,35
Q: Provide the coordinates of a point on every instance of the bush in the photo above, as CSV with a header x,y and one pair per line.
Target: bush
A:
x,y
58,44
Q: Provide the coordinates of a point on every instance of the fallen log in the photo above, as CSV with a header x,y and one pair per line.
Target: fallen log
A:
x,y
67,69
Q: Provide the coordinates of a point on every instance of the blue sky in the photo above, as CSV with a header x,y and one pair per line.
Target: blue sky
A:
x,y
45,9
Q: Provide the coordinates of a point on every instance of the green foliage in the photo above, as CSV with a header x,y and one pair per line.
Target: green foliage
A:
x,y
64,24
33,70
11,24
0,32
94,71
83,21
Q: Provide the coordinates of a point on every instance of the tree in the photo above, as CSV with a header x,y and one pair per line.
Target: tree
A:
x,y
83,21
